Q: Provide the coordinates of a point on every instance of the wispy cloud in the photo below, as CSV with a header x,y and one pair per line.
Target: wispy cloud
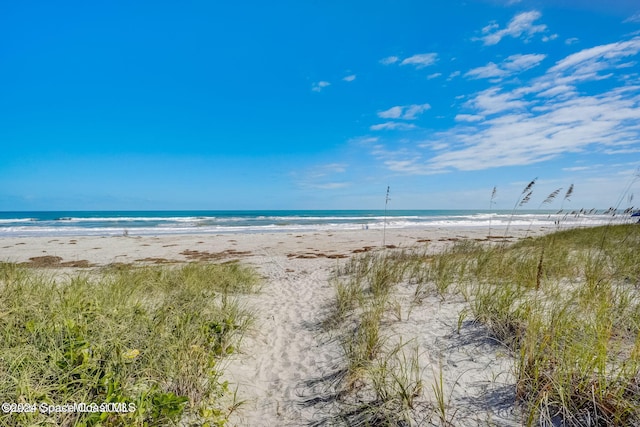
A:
x,y
545,118
393,126
519,63
487,71
433,76
469,118
512,65
586,64
633,18
331,185
577,168
317,87
421,60
323,177
407,166
364,140
521,26
389,60
328,169
524,130
411,112
565,126
391,113
406,112
622,151
349,78
493,101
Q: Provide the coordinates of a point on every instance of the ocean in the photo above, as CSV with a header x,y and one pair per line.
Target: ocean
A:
x,y
112,223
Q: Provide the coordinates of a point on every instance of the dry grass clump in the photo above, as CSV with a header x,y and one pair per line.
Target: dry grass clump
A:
x,y
152,339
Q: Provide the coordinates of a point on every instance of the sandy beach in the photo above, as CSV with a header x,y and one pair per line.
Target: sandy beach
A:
x,y
256,248
284,369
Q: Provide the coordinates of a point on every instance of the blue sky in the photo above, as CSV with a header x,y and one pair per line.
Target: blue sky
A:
x,y
317,104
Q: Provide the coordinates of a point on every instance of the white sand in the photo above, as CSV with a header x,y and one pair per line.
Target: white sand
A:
x,y
288,351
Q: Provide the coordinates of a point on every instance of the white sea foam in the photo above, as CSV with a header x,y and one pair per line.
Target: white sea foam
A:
x,y
13,220
252,223
131,219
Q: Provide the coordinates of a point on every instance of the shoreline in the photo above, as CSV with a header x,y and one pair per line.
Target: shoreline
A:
x,y
84,251
191,223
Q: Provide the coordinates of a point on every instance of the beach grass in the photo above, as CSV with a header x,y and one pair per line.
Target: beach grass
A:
x,y
149,341
384,375
566,306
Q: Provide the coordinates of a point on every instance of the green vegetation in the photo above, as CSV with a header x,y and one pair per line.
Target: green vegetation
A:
x,y
385,374
150,338
566,305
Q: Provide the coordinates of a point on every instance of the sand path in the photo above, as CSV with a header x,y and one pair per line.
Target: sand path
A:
x,y
287,349
288,352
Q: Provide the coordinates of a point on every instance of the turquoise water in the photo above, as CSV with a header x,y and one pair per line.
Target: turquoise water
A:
x,y
77,223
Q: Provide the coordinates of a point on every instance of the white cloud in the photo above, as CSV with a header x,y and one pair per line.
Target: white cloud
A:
x,y
438,146
364,140
622,151
489,70
453,75
571,40
558,91
577,168
513,64
331,185
406,112
492,101
523,62
323,177
610,119
627,65
349,78
317,87
587,63
433,76
389,60
546,118
468,118
520,26
391,113
633,18
421,60
409,166
412,111
393,126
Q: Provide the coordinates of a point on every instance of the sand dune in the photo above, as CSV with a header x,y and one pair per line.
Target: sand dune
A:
x,y
288,361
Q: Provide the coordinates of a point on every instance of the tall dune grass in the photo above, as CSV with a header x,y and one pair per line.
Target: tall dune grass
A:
x,y
384,374
566,305
571,319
